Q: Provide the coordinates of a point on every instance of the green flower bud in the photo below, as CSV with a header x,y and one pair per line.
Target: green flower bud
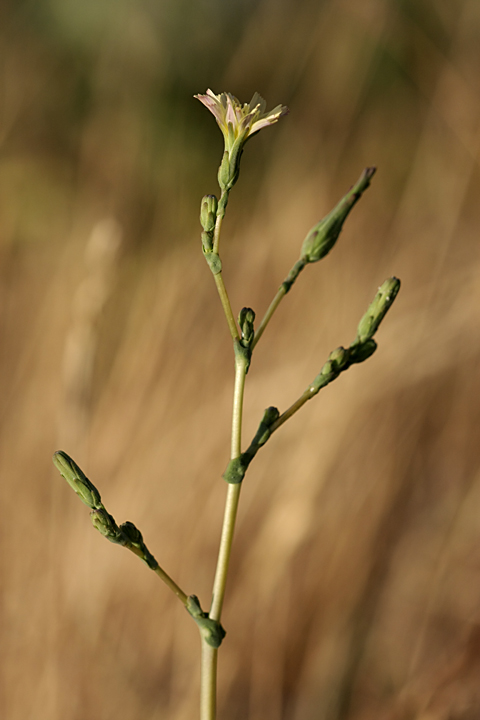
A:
x,y
339,358
263,433
76,478
321,238
226,179
132,533
270,415
359,353
208,216
208,213
213,260
245,320
106,525
368,325
328,373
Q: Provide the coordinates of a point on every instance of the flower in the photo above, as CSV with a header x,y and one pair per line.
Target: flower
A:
x,y
237,123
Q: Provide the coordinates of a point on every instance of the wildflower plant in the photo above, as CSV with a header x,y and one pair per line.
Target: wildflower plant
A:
x,y
238,123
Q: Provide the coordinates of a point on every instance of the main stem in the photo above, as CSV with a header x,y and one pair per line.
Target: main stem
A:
x,y
209,654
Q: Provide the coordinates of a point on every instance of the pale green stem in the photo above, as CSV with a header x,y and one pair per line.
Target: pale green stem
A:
x,y
208,682
227,308
293,409
281,292
222,291
233,494
230,516
171,584
209,654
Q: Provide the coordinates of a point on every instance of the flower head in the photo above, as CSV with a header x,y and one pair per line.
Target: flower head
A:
x,y
237,123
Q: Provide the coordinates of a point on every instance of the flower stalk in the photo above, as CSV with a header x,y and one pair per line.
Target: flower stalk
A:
x,y
238,123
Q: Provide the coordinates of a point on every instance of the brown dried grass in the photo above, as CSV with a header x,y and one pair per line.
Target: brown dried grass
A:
x,y
355,584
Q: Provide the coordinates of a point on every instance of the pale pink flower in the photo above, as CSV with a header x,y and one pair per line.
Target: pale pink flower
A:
x,y
238,122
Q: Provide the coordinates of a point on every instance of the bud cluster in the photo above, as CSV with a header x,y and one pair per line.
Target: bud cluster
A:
x,y
208,217
127,534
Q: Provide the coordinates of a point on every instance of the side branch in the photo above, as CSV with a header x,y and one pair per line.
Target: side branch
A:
x,y
338,361
318,242
127,534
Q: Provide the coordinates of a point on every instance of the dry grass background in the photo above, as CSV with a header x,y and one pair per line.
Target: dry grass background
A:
x,y
355,587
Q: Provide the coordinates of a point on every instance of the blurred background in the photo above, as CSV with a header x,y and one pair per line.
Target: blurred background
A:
x,y
355,584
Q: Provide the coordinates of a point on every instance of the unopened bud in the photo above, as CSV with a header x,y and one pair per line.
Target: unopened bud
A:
x,y
270,415
76,478
384,298
226,179
339,358
264,431
359,353
132,533
229,169
321,238
208,213
106,525
328,373
245,320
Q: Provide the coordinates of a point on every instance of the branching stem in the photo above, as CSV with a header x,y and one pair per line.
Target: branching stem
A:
x,y
209,654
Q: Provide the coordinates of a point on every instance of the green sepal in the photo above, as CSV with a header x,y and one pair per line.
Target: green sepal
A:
x,y
235,156
362,351
214,262
76,478
211,630
207,242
